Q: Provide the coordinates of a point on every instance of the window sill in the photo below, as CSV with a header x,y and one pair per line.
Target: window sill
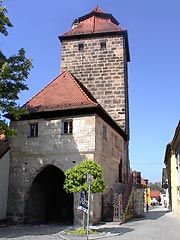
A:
x,y
66,134
32,136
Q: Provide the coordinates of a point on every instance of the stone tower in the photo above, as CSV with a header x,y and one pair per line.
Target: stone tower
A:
x,y
96,51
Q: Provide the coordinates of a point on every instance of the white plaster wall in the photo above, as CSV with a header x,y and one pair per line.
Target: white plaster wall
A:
x,y
4,180
173,184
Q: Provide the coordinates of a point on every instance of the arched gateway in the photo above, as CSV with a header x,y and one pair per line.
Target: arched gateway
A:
x,y
48,201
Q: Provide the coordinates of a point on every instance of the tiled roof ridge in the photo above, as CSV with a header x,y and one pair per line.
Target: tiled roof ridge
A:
x,y
99,12
83,89
98,9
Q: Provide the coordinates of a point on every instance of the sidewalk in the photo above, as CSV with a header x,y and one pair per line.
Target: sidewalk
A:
x,y
105,230
155,220
109,230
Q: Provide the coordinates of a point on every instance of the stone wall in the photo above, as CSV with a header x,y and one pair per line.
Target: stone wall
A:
x,y
110,149
138,191
50,138
102,71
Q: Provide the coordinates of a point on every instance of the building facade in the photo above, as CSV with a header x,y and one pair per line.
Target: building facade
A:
x,y
172,162
81,114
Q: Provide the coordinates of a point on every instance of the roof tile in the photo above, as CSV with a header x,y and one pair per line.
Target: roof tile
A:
x,y
98,9
97,21
64,92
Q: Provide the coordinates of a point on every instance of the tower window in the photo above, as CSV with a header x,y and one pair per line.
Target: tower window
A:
x,y
81,47
67,127
116,141
103,45
104,132
33,130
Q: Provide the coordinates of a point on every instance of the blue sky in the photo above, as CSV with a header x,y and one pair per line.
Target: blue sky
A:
x,y
154,71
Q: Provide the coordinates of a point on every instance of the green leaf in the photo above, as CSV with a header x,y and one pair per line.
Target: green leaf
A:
x,y
14,71
76,178
4,20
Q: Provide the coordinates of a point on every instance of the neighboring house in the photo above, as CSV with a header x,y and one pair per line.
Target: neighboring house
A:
x,y
155,197
81,114
4,175
172,162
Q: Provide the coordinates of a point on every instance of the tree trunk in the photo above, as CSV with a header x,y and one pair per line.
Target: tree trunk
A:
x,y
84,220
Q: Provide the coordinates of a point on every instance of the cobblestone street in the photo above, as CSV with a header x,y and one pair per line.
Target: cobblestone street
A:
x,y
157,225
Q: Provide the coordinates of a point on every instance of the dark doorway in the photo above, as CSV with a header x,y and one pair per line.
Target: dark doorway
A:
x,y
48,201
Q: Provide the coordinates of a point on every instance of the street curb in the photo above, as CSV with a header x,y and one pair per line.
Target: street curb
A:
x,y
77,237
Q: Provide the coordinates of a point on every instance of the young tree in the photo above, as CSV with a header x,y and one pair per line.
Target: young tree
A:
x,y
76,178
156,186
14,71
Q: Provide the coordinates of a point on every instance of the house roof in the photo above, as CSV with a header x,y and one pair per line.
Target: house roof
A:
x,y
176,137
155,193
64,92
63,97
172,145
97,21
2,137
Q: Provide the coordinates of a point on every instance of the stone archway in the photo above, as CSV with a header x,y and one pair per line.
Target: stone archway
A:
x,y
48,201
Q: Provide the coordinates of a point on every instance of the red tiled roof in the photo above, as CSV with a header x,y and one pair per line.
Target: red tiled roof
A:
x,y
97,21
155,193
64,92
2,136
